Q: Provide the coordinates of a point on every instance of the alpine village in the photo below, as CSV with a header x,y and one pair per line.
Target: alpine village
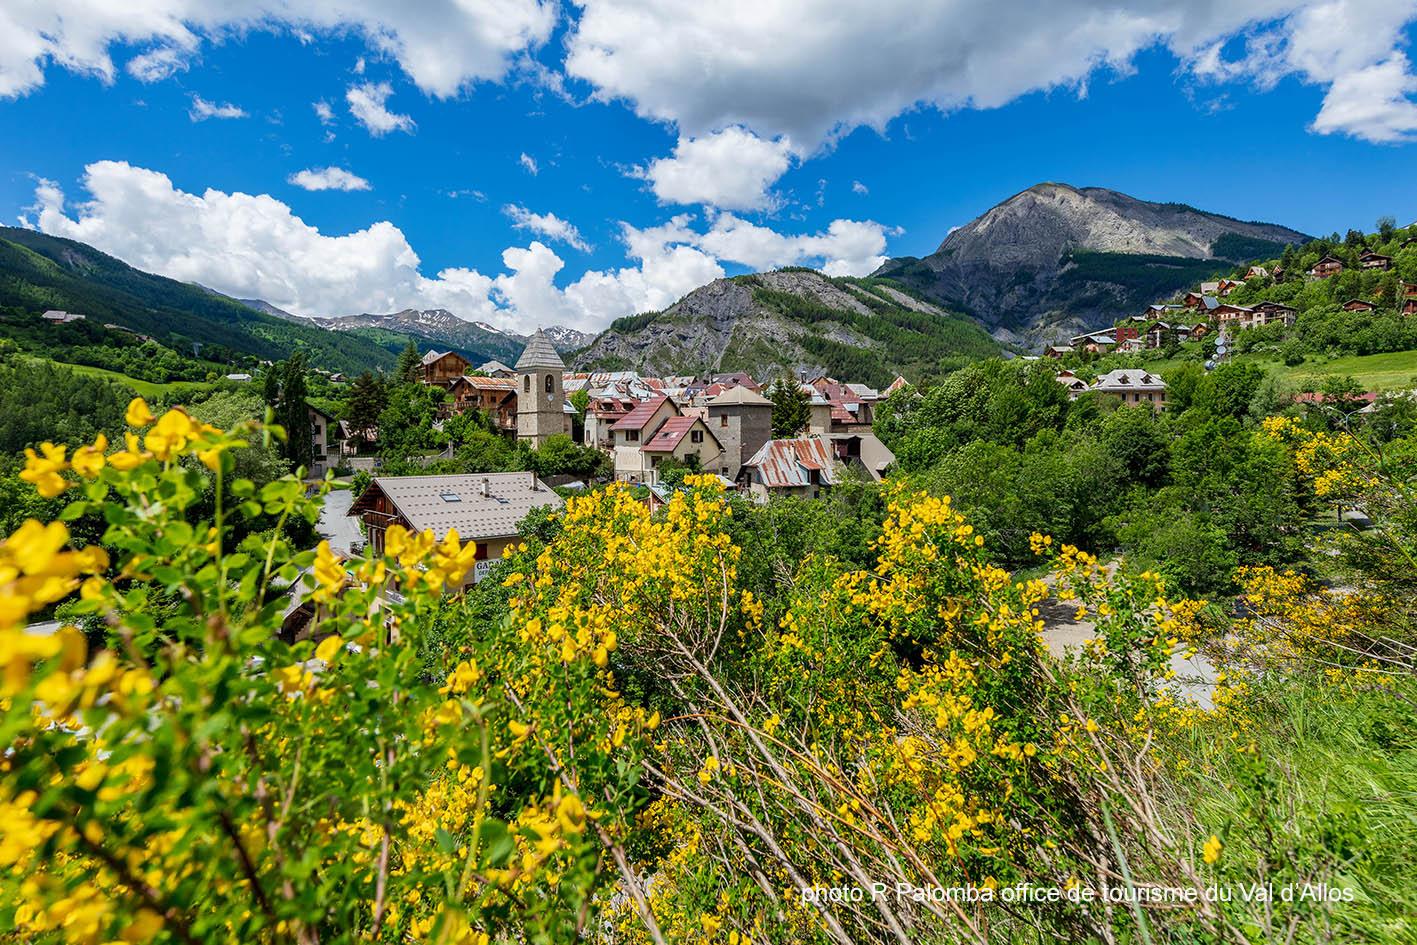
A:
x,y
405,628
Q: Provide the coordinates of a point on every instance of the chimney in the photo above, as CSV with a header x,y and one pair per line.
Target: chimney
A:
x,y
486,487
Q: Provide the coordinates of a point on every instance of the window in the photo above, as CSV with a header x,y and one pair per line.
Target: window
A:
x,y
632,436
696,436
550,384
526,384
723,419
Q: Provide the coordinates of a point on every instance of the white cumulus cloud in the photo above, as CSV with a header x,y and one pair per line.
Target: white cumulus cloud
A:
x,y
328,178
733,169
255,246
367,105
811,70
442,45
548,225
202,109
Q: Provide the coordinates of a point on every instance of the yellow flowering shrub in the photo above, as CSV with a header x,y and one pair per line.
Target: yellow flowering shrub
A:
x,y
202,778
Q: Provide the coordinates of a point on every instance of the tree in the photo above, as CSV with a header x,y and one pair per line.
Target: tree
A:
x,y
270,392
406,423
791,407
409,362
1387,226
294,412
367,399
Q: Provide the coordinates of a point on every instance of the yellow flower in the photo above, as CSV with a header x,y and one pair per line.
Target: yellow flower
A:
x,y
138,413
329,648
43,470
329,574
88,460
172,434
1212,848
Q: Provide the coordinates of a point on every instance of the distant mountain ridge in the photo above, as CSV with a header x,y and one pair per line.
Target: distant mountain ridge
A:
x,y
39,272
799,319
438,328
1057,258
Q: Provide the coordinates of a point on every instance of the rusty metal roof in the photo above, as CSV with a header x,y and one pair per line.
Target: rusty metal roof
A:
x,y
785,463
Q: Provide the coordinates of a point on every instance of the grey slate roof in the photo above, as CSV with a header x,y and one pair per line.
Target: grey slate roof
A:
x,y
443,502
540,353
737,396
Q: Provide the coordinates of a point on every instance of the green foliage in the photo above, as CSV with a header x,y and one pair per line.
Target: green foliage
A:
x,y
42,272
1240,248
41,401
903,340
791,408
406,423
562,456
1128,281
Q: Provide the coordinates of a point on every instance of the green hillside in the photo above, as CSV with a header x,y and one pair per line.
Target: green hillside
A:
x,y
39,272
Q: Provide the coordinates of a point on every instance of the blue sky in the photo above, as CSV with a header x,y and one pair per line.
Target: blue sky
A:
x,y
570,164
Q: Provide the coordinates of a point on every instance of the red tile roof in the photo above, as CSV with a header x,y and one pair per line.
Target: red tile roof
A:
x,y
669,435
640,415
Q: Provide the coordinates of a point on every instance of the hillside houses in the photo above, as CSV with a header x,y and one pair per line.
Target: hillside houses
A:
x,y
1132,386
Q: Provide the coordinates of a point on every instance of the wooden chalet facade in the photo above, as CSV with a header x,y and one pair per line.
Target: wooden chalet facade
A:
x,y
1326,267
441,368
1372,260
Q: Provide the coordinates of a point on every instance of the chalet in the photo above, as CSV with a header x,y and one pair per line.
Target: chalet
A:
x,y
1161,333
1409,307
482,507
1210,288
1326,267
60,317
496,368
899,383
354,440
326,444
1256,272
1277,274
494,396
1372,260
442,368
1358,305
1409,290
1229,285
1075,385
635,429
1058,351
1133,386
1238,314
686,439
1267,312
603,412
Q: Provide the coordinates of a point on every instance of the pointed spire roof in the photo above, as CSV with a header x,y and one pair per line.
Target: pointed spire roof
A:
x,y
540,353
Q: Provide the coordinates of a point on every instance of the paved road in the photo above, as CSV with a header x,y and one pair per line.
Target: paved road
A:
x,y
1061,632
339,529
